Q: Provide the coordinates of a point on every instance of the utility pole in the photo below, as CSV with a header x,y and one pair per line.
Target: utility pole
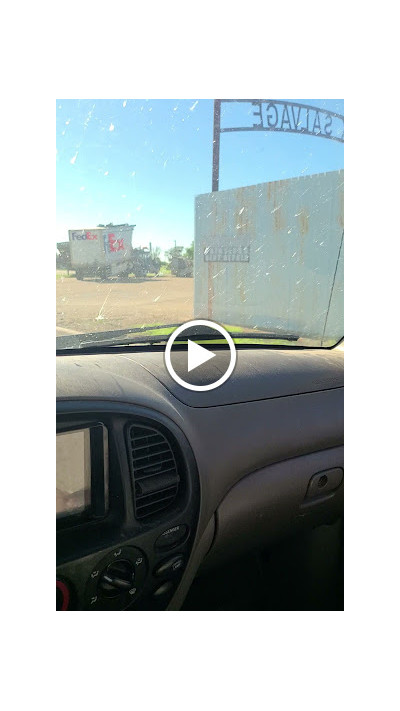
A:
x,y
216,139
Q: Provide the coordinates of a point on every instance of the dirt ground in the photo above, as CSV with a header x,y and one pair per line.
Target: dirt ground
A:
x,y
86,306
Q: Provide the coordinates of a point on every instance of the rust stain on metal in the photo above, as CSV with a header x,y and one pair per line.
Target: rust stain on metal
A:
x,y
245,207
220,218
304,228
279,222
301,249
274,196
210,290
303,219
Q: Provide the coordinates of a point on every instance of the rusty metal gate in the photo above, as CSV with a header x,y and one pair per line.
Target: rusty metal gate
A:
x,y
270,257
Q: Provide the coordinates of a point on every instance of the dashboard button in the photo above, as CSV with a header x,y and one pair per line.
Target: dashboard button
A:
x,y
164,589
172,536
172,565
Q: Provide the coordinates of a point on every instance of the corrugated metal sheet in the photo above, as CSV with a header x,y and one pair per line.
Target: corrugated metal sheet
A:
x,y
270,256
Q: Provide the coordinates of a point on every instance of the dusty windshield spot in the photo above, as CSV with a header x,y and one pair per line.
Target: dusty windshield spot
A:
x,y
173,210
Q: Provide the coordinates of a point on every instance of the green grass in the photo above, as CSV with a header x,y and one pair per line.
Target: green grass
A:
x,y
63,274
231,329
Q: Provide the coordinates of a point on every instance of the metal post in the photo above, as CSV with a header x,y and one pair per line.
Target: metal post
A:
x,y
216,139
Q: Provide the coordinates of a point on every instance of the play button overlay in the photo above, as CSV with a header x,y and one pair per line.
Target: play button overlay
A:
x,y
200,355
197,355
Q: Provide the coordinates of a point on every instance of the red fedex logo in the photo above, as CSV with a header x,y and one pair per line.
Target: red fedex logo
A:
x,y
90,235
115,245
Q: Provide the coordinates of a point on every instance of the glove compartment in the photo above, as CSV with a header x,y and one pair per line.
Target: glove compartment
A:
x,y
275,502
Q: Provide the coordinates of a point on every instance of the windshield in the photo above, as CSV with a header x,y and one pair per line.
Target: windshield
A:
x,y
174,210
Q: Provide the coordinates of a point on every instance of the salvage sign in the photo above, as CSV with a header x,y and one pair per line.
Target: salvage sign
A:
x,y
291,117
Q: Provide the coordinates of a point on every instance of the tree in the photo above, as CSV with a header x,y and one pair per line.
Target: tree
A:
x,y
189,251
173,252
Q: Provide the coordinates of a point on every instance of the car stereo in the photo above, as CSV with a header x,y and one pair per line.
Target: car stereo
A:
x,y
82,474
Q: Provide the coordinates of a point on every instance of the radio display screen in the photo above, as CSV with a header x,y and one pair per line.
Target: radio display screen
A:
x,y
73,486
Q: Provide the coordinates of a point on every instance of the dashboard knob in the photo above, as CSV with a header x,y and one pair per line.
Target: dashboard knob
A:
x,y
117,578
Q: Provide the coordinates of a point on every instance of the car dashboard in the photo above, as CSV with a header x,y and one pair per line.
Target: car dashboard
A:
x,y
183,481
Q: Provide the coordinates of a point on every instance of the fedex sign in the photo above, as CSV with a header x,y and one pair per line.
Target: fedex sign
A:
x,y
83,235
112,243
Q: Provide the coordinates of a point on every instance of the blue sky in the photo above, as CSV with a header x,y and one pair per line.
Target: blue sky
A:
x,y
144,161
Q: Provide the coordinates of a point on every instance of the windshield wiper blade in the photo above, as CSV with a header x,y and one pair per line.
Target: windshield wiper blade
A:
x,y
257,335
125,338
82,340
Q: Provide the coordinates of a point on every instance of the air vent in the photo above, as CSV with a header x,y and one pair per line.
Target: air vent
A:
x,y
154,469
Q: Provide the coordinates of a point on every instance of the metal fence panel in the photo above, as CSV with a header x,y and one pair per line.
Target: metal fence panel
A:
x,y
269,256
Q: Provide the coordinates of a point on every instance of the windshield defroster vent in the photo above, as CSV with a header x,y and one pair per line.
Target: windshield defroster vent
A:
x,y
154,469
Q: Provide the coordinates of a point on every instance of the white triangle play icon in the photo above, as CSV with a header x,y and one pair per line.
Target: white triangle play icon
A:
x,y
197,355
